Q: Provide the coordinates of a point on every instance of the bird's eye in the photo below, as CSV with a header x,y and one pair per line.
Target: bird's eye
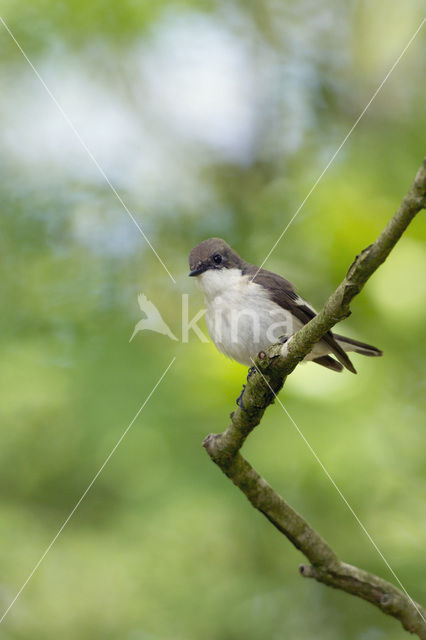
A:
x,y
217,258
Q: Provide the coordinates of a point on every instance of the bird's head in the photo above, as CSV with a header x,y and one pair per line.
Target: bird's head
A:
x,y
213,253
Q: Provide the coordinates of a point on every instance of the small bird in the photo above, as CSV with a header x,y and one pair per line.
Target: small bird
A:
x,y
248,309
153,320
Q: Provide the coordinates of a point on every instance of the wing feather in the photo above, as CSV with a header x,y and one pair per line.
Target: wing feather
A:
x,y
282,292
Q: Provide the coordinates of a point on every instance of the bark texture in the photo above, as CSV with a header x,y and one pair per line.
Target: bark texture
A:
x,y
272,369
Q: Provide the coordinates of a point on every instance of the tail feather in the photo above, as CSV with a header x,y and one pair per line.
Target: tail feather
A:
x,y
359,347
329,362
338,351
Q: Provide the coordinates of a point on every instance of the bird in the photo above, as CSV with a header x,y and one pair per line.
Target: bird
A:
x,y
249,308
153,320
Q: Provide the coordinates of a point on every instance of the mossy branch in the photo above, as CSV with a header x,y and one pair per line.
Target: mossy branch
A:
x,y
272,369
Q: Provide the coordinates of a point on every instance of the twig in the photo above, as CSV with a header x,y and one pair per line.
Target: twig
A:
x,y
273,368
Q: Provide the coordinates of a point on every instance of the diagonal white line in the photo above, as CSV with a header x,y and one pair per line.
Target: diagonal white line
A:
x,y
92,482
86,148
333,157
341,495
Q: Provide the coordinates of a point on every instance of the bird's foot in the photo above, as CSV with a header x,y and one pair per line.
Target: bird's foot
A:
x,y
239,400
250,372
283,339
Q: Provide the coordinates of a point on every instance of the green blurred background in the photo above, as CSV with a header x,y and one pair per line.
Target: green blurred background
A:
x,y
210,118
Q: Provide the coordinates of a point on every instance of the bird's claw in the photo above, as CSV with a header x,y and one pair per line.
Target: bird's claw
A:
x,y
251,371
239,400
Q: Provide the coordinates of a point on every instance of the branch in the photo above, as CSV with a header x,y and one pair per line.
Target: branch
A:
x,y
272,369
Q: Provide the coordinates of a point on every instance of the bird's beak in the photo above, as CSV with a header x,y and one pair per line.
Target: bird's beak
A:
x,y
197,271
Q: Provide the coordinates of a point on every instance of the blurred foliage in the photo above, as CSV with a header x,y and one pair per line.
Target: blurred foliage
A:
x,y
209,119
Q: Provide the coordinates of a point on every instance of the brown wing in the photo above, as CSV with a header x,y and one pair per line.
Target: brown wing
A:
x,y
282,292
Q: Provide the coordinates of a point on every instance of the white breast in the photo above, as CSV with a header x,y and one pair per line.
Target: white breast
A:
x,y
241,318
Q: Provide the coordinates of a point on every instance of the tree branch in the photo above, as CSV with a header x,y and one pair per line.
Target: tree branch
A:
x,y
272,369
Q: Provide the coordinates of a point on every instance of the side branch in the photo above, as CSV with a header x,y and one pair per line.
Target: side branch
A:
x,y
273,368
